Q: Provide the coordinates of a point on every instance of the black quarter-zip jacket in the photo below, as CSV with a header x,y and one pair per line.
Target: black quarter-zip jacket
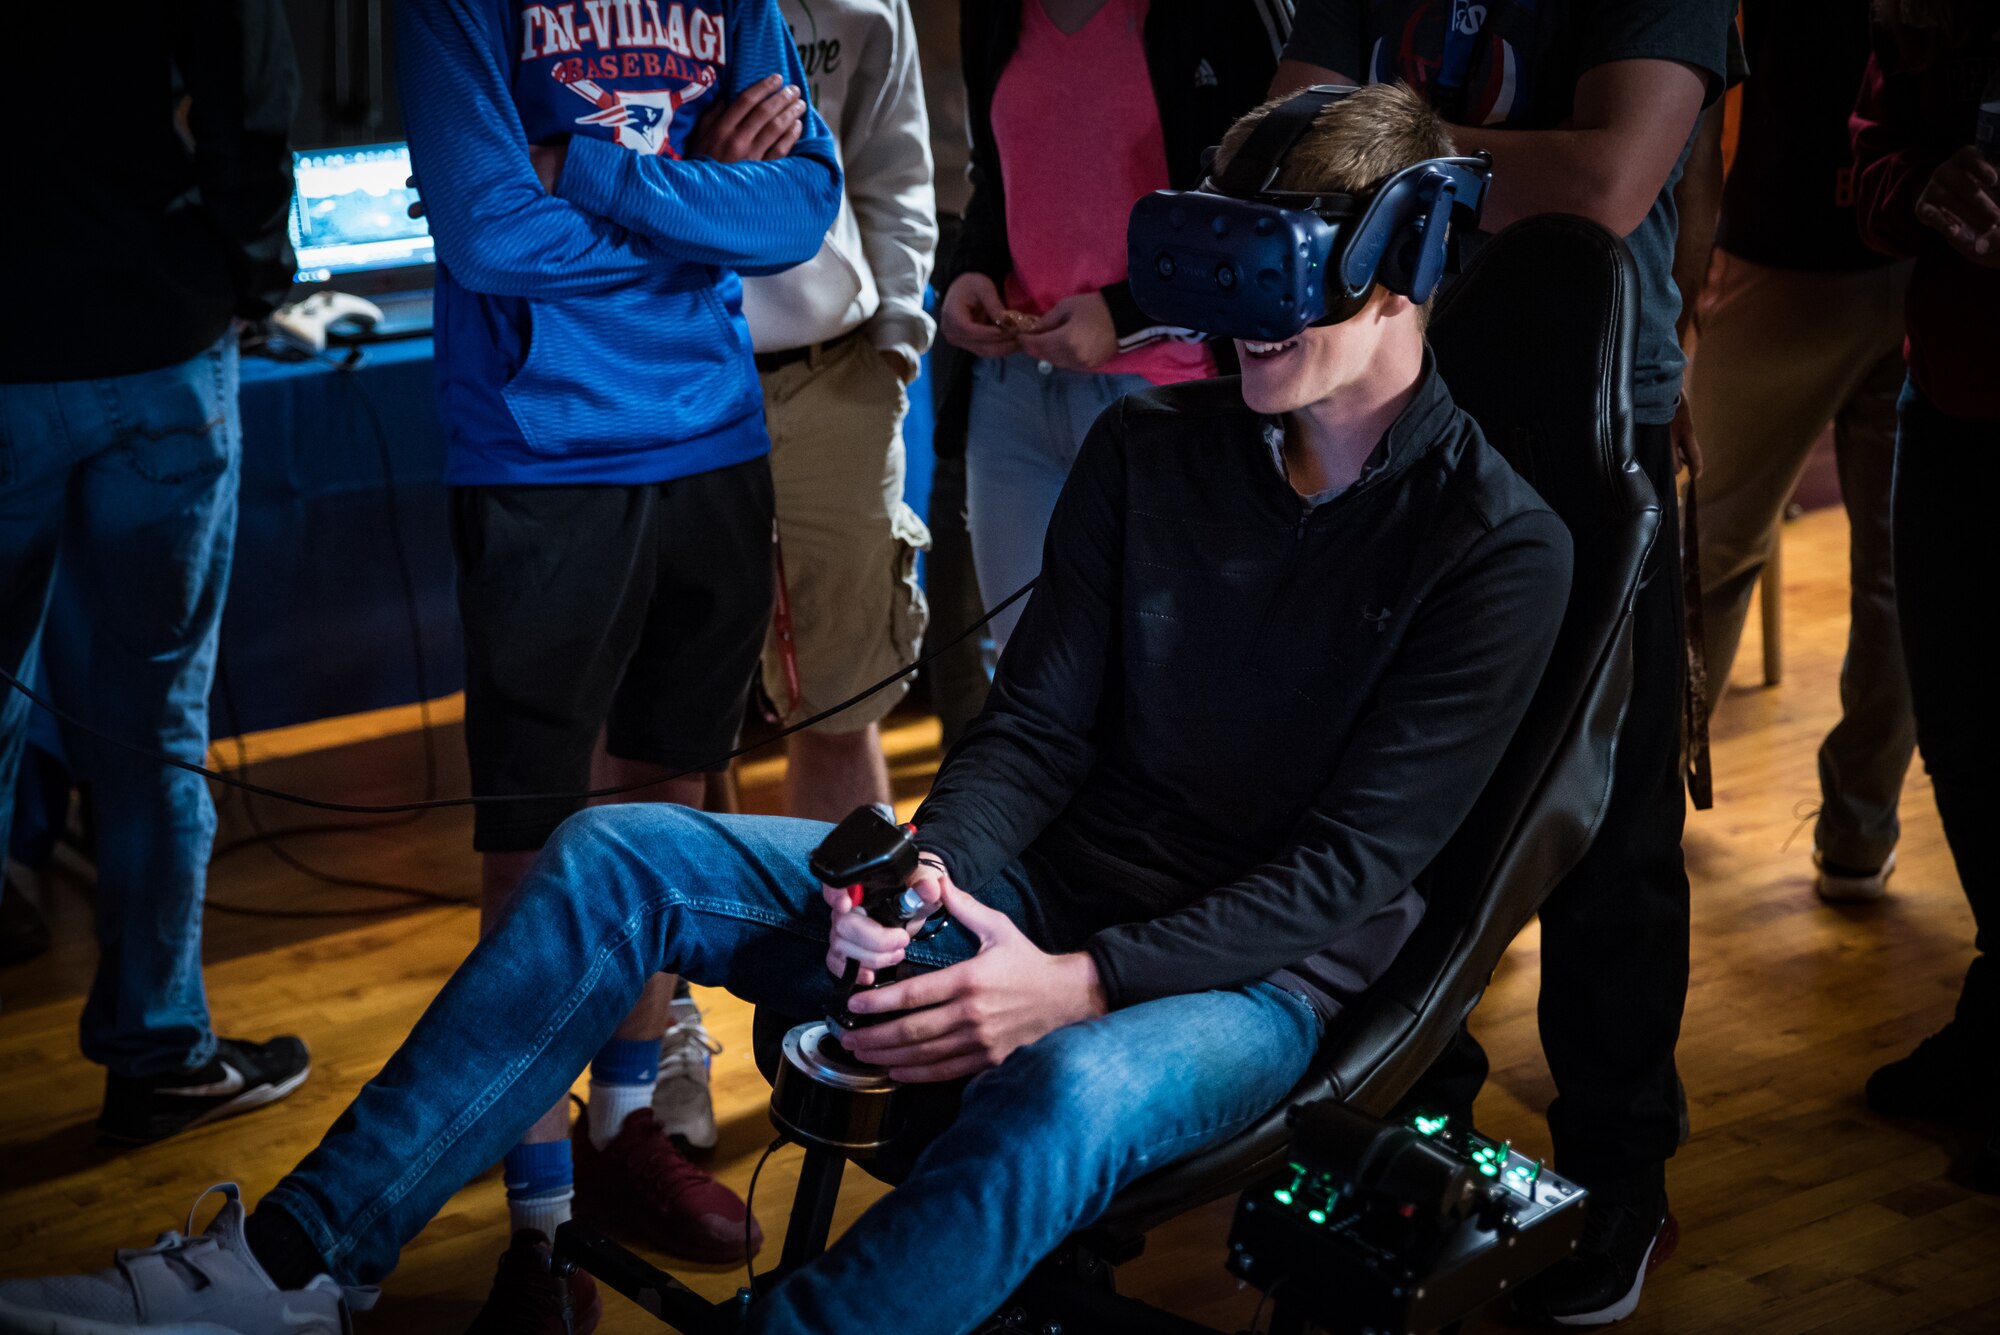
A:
x,y
1229,732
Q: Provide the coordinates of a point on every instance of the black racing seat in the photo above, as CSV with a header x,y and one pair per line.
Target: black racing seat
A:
x,y
1535,340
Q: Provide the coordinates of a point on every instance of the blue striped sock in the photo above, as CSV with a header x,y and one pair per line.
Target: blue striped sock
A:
x,y
537,1170
540,1185
627,1061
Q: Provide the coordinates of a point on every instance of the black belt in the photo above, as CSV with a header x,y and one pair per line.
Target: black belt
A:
x,y
768,362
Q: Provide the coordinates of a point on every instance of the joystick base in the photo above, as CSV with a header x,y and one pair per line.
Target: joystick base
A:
x,y
824,1097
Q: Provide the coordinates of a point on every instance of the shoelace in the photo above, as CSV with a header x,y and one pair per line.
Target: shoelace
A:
x,y
178,1249
680,1046
178,1253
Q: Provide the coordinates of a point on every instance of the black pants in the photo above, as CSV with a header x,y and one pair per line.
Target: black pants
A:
x,y
960,675
1947,474
1615,932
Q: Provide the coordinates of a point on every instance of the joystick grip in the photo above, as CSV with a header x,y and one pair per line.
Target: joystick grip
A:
x,y
873,857
890,911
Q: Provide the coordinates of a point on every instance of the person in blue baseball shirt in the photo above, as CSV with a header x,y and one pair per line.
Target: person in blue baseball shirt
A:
x,y
611,496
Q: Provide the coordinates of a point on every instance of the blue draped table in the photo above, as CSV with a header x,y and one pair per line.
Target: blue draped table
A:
x,y
335,464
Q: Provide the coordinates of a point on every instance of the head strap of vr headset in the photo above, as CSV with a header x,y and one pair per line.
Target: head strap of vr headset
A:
x,y
1257,163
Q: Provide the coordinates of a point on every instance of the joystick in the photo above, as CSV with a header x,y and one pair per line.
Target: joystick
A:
x,y
825,1096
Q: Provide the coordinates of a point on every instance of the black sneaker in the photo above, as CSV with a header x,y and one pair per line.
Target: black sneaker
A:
x,y
239,1077
1949,1075
530,1298
1599,1282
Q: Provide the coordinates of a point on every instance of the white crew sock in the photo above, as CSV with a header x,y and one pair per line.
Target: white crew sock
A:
x,y
611,1104
541,1213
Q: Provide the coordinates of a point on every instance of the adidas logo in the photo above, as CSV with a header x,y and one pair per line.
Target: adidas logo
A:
x,y
1204,75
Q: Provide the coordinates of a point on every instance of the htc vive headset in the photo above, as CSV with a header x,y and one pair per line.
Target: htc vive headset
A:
x,y
1238,259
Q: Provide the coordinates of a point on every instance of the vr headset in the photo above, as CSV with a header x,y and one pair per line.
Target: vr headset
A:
x,y
1238,259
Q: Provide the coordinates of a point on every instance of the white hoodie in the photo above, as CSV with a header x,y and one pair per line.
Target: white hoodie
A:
x,y
861,59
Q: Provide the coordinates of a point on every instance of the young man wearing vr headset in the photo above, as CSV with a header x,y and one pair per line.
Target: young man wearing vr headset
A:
x,y
1587,109
1284,630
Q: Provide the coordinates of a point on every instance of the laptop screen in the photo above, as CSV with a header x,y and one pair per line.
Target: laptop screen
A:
x,y
350,212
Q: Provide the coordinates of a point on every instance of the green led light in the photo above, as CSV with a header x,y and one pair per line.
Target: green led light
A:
x,y
1282,1197
1317,1216
1430,1126
1489,1170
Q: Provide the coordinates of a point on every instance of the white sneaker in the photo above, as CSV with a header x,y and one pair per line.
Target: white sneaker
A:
x,y
681,1100
209,1283
1843,888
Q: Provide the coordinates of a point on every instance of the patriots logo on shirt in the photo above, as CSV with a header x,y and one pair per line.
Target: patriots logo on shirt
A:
x,y
1412,36
639,119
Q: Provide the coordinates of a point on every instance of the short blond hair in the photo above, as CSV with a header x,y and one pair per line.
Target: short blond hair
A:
x,y
1353,144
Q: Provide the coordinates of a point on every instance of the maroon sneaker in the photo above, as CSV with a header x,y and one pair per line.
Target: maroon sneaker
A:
x,y
643,1178
529,1298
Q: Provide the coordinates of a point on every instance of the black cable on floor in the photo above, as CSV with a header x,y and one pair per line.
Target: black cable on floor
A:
x,y
262,837
497,799
749,1202
269,839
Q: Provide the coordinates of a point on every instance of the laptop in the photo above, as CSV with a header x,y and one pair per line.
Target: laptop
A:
x,y
353,232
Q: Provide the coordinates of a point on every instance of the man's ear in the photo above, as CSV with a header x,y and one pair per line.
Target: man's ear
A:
x,y
1396,312
1385,305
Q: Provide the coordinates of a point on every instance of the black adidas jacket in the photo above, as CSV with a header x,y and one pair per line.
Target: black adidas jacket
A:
x,y
1210,61
1228,733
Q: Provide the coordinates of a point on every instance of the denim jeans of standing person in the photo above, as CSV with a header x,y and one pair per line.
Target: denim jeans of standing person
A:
x,y
1947,474
1041,1143
125,487
1028,420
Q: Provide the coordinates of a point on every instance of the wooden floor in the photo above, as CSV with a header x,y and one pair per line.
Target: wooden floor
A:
x,y
1800,1211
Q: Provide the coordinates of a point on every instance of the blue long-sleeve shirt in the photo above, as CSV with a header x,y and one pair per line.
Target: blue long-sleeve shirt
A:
x,y
595,334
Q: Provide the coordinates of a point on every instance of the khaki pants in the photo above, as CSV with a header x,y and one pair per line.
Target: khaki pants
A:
x,y
850,543
1782,353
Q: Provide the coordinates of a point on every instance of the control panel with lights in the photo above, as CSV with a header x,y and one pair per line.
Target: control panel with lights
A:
x,y
1390,1228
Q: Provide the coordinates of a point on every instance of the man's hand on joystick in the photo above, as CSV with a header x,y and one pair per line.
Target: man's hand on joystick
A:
x,y
968,1016
856,936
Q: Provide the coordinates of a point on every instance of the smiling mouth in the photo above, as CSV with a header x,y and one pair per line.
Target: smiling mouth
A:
x,y
1265,351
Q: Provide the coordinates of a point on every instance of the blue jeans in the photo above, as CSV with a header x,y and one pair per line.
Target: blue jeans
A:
x,y
1041,1144
1024,430
126,487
